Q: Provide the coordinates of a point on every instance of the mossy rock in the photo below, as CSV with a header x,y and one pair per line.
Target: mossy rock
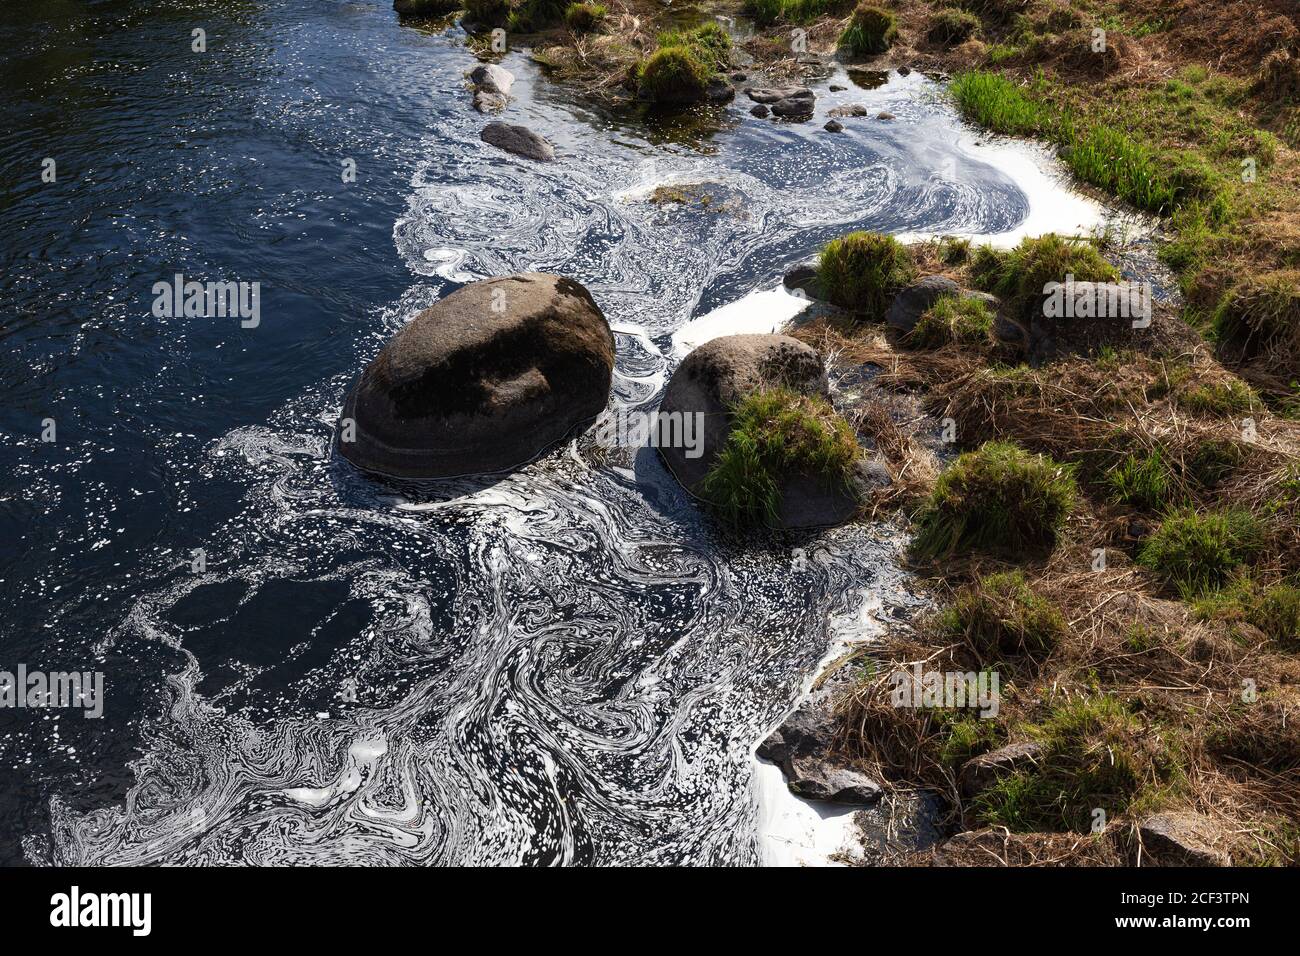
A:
x,y
772,450
871,30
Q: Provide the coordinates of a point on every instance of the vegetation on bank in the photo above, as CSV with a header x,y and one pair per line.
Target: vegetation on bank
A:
x,y
871,30
863,271
1118,538
776,434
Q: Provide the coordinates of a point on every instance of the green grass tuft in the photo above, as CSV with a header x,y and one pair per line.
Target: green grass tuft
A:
x,y
1094,755
863,271
1002,616
1142,481
959,320
1198,552
776,434
1000,499
871,30
585,17
1019,276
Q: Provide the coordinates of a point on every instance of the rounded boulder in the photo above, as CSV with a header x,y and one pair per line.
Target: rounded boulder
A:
x,y
485,380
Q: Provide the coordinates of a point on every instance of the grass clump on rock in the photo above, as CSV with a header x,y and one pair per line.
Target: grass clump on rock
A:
x,y
951,26
1021,274
680,70
585,17
1000,499
871,30
674,74
1198,552
863,271
1094,755
1260,317
1002,615
776,433
960,320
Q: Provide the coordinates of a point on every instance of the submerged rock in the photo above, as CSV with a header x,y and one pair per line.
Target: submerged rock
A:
x,y
853,109
718,375
1183,839
886,115
519,140
484,380
803,747
791,102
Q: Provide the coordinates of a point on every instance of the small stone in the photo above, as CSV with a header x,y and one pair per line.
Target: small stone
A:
x,y
836,88
760,111
980,773
833,126
885,115
1183,839
739,77
904,70
853,109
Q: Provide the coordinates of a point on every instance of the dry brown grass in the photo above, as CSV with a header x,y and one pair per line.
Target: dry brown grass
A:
x,y
1181,677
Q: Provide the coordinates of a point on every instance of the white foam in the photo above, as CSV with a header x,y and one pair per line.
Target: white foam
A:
x,y
761,311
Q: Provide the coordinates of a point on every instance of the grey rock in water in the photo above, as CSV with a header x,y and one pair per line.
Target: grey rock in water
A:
x,y
491,86
486,102
1183,839
853,109
793,108
763,94
484,380
803,747
492,78
519,140
904,70
885,115
719,374
913,302
980,773
739,77
761,111
836,88
719,91
833,126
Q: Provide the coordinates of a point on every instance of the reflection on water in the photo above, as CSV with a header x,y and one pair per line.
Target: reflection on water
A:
x,y
563,665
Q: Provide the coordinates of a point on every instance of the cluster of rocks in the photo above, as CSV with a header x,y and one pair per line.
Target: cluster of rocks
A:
x,y
491,85
807,748
791,102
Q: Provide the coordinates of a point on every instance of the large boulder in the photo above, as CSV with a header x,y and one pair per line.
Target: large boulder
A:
x,y
718,375
483,381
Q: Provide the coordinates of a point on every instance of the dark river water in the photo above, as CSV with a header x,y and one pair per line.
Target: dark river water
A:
x,y
563,665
